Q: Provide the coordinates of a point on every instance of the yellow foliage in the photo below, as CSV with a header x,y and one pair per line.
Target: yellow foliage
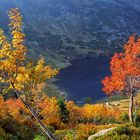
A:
x,y
14,67
91,111
75,112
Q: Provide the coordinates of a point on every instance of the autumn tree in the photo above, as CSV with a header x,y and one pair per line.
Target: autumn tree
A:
x,y
17,74
125,69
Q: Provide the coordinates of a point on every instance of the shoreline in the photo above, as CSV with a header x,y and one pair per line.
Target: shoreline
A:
x,y
72,78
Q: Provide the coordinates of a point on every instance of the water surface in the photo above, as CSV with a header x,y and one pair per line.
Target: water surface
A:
x,y
83,79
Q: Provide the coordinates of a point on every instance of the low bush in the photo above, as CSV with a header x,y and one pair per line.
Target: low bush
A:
x,y
124,118
122,133
38,137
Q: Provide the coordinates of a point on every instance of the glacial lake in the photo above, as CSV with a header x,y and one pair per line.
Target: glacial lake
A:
x,y
83,79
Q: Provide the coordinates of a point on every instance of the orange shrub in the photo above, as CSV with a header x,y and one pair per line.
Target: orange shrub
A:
x,y
50,111
75,112
89,112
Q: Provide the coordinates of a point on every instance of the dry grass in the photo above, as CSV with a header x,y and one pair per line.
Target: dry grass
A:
x,y
123,104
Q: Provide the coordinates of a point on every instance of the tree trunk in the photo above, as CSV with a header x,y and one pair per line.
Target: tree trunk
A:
x,y
131,102
46,131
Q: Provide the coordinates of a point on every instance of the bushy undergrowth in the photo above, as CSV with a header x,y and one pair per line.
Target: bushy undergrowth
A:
x,y
81,131
17,124
122,133
12,130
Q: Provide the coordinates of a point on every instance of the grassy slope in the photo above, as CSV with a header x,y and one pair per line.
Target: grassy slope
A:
x,y
123,104
123,131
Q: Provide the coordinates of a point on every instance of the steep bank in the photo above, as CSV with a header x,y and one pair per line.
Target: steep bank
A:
x,y
65,30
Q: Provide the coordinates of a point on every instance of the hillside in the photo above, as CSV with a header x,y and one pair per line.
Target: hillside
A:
x,y
62,31
123,103
72,29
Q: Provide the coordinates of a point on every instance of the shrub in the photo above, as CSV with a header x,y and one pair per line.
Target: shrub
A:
x,y
38,137
60,133
122,133
16,129
4,136
124,117
70,135
64,113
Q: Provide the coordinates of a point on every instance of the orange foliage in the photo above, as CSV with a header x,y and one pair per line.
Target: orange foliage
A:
x,y
75,112
99,111
91,111
83,131
49,114
123,65
3,108
50,111
12,108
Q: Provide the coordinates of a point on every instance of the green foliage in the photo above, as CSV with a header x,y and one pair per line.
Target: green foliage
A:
x,y
114,137
124,117
66,134
4,136
64,113
98,120
51,128
38,137
61,133
122,133
137,121
88,100
123,130
11,129
70,135
109,120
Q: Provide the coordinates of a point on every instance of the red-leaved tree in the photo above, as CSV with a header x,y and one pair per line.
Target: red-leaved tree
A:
x,y
125,69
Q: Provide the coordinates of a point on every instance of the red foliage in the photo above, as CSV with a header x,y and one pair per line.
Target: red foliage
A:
x,y
123,65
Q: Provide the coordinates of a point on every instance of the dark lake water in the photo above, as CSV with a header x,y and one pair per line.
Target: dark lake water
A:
x,y
83,79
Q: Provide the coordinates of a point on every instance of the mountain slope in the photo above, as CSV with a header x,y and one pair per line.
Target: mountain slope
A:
x,y
76,28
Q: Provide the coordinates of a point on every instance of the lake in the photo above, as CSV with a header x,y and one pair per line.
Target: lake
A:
x,y
83,79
